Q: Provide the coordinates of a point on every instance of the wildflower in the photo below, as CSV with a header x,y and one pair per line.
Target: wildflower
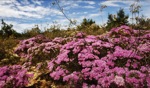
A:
x,y
119,80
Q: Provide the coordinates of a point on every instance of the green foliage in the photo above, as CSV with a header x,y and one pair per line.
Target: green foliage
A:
x,y
85,23
54,31
33,32
7,30
89,26
93,29
143,23
7,56
120,19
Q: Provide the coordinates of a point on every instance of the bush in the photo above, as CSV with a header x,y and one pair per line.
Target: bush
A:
x,y
119,58
7,55
13,76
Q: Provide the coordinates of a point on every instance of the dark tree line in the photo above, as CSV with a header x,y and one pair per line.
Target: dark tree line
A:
x,y
7,30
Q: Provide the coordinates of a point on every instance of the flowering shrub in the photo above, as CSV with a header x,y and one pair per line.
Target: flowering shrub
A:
x,y
24,45
39,48
116,58
36,51
120,58
13,76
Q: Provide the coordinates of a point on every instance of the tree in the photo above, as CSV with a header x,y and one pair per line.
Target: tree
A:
x,y
143,23
87,22
6,30
120,19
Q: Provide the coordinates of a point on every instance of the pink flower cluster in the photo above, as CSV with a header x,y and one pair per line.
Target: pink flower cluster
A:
x,y
102,61
25,47
35,47
15,76
119,58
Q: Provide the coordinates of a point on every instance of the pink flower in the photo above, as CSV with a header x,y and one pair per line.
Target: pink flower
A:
x,y
85,70
76,49
2,84
85,85
80,35
73,77
143,68
92,86
62,57
148,81
128,63
60,72
51,65
135,65
119,80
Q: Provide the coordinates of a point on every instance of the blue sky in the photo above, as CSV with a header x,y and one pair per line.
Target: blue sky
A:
x,y
25,14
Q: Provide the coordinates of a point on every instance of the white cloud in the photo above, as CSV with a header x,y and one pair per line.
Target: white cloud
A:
x,y
76,13
25,10
116,3
93,15
66,3
3,2
6,11
76,4
38,2
71,5
85,12
88,7
110,3
20,27
25,2
39,10
89,2
86,1
13,9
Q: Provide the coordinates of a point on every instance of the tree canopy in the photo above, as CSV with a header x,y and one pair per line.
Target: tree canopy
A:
x,y
120,19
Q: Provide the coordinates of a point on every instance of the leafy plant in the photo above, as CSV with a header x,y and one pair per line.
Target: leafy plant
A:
x,y
115,21
7,30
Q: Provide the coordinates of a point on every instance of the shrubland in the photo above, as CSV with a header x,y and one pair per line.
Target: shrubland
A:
x,y
119,58
88,56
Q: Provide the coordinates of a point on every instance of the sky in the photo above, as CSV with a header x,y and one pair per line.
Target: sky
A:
x,y
25,14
